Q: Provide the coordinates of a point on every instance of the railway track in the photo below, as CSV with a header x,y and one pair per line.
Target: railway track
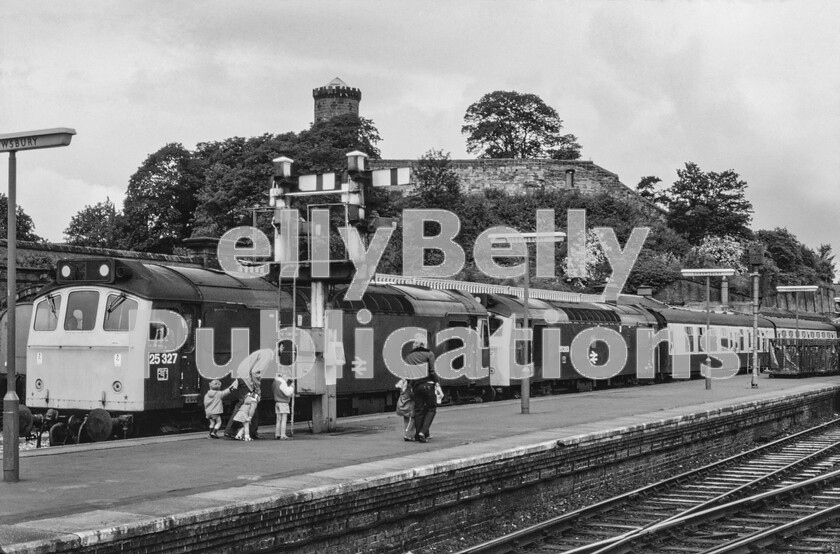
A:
x,y
720,503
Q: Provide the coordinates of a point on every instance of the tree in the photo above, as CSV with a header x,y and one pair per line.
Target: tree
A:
x,y
509,124
825,263
713,251
238,170
324,146
237,176
438,185
95,226
797,264
646,189
24,224
160,201
708,204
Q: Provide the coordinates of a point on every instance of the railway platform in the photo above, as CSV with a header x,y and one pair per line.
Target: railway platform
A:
x,y
189,493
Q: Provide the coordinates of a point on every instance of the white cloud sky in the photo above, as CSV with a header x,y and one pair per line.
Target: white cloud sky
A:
x,y
645,86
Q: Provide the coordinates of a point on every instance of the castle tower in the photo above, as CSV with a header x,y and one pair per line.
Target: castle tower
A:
x,y
335,98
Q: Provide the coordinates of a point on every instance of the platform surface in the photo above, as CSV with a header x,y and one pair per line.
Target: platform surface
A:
x,y
87,488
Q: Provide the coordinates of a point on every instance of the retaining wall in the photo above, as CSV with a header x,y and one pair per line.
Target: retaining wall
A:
x,y
401,509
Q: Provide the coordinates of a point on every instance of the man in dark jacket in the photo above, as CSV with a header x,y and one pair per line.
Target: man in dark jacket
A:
x,y
425,401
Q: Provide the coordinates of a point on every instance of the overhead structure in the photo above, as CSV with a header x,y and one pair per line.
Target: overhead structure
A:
x,y
351,184
796,289
708,273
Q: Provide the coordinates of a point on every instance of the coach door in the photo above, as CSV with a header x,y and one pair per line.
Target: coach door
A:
x,y
190,379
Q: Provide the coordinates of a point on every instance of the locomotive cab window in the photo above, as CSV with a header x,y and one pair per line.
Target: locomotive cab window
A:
x,y
120,313
495,323
46,313
157,331
81,310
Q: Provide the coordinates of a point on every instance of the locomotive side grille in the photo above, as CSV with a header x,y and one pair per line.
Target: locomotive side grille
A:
x,y
590,315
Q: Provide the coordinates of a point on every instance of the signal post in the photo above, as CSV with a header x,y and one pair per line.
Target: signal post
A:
x,y
320,382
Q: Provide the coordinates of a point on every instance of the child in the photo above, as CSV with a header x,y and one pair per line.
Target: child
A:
x,y
243,417
405,408
283,393
213,406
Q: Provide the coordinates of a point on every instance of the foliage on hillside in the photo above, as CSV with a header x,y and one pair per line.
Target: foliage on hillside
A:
x,y
177,194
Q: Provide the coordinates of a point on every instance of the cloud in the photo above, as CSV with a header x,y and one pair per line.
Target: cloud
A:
x,y
51,199
645,86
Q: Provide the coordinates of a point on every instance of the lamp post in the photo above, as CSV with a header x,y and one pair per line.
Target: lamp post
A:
x,y
527,238
797,289
708,274
11,143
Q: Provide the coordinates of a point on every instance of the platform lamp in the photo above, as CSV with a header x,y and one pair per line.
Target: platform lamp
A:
x,y
797,289
11,143
527,238
708,273
756,258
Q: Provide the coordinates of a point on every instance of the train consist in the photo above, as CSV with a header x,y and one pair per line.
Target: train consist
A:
x,y
100,362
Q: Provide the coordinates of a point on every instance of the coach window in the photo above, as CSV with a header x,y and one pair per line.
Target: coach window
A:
x,y
713,340
120,313
689,340
519,350
46,314
701,345
81,310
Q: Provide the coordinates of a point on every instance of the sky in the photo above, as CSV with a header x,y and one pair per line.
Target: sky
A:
x,y
645,86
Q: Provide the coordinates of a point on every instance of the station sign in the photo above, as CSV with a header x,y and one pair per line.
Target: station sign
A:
x,y
31,140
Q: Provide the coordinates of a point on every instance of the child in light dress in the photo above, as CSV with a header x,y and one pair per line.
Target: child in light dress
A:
x,y
283,392
242,419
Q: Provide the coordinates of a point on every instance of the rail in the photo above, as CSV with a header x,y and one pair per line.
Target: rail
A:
x,y
612,536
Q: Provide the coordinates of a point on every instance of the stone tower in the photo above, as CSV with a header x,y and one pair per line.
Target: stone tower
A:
x,y
335,98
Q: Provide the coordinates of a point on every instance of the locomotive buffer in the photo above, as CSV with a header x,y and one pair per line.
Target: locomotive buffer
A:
x,y
320,381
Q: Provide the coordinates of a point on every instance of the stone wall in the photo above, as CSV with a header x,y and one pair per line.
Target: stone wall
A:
x,y
518,176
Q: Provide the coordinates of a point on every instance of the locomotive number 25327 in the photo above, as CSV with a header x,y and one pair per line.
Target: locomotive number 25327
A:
x,y
157,358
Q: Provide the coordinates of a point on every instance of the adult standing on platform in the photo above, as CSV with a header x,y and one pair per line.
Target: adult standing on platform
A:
x,y
250,380
425,400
